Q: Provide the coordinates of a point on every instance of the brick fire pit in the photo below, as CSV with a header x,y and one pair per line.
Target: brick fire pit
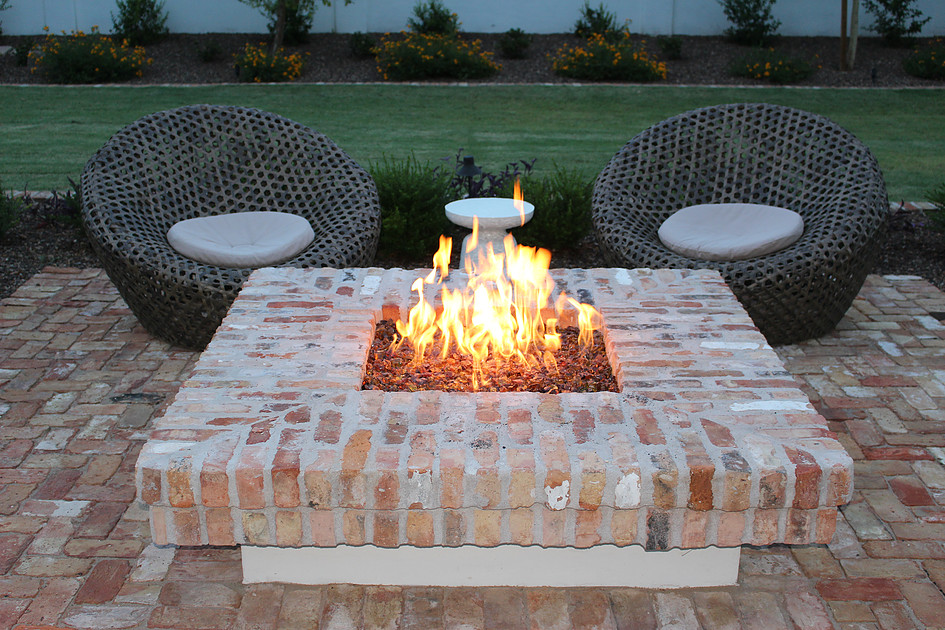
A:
x,y
271,442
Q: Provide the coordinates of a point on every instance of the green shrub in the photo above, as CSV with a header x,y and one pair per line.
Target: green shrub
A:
x,y
514,44
752,22
602,60
927,62
140,22
562,216
772,66
486,183
4,5
67,209
21,52
432,18
670,46
10,210
417,56
362,45
298,23
87,58
413,197
597,21
210,51
256,64
897,21
937,216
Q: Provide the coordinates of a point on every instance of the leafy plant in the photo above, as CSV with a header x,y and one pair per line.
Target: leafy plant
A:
x,y
597,21
562,203
772,66
937,197
418,56
4,5
140,22
10,210
362,45
210,51
752,22
433,18
897,21
278,12
486,183
68,208
412,197
298,23
21,52
928,62
82,57
255,64
514,43
670,46
603,60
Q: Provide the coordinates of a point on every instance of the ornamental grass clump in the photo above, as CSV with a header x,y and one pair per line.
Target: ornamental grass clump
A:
x,y
603,60
412,196
91,57
411,56
256,64
927,62
772,66
562,209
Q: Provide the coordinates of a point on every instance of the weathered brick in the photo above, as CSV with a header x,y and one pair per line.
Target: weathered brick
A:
x,y
103,582
910,491
858,589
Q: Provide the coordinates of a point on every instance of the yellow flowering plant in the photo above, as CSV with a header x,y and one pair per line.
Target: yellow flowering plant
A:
x,y
927,62
773,66
257,64
80,57
607,59
412,56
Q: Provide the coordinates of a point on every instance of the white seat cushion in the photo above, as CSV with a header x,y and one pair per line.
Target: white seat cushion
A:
x,y
730,231
242,239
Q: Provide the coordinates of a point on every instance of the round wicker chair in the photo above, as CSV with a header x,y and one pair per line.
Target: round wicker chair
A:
x,y
753,153
205,160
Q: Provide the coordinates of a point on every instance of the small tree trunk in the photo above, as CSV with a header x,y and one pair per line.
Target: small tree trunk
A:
x,y
843,35
854,33
278,33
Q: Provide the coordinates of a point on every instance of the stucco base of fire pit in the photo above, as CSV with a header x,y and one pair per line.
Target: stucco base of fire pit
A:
x,y
507,565
709,442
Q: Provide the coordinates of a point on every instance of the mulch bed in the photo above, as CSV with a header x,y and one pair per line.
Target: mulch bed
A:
x,y
577,368
328,58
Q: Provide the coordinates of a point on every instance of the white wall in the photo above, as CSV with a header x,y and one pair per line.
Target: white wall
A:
x,y
655,17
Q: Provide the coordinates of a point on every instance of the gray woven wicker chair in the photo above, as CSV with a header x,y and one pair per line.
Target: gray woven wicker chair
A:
x,y
206,160
753,153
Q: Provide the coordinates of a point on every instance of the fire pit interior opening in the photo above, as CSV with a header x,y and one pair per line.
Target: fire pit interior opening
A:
x,y
502,326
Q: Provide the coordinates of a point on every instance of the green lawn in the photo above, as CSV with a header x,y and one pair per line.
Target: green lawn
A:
x,y
47,133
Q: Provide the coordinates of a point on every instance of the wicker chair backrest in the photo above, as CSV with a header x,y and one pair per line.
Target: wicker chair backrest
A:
x,y
748,153
204,160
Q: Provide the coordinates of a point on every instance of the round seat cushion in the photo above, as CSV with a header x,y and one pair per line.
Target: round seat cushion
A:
x,y
730,231
242,239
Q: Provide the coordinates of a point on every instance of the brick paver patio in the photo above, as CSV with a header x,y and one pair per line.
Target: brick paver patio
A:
x,y
80,383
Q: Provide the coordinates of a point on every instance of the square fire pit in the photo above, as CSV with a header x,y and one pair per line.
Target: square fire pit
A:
x,y
708,445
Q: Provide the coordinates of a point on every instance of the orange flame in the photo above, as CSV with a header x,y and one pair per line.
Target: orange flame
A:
x,y
518,200
498,314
